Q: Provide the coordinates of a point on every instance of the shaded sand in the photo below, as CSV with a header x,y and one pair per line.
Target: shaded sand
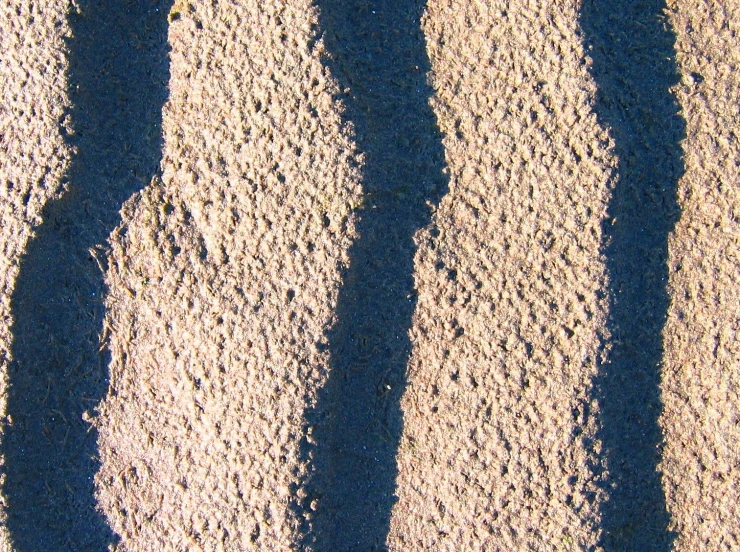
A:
x,y
116,73
569,284
34,154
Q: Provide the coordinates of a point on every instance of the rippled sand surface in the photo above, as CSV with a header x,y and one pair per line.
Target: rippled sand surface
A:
x,y
369,275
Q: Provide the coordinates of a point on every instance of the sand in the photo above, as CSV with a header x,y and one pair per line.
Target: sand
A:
x,y
323,275
34,155
700,371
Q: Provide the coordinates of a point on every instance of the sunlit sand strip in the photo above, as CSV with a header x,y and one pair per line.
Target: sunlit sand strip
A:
x,y
33,156
222,281
498,448
701,380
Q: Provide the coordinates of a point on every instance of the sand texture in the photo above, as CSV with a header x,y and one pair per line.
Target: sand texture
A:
x,y
35,156
701,383
341,275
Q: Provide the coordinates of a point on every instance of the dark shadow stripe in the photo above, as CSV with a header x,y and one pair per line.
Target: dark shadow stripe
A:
x,y
376,50
118,77
634,66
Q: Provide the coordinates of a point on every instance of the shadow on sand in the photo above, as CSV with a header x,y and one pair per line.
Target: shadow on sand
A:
x,y
634,67
118,77
376,50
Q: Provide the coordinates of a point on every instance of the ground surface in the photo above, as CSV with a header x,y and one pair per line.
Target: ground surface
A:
x,y
349,275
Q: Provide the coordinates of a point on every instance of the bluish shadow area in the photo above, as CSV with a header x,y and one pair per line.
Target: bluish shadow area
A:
x,y
376,50
118,82
634,66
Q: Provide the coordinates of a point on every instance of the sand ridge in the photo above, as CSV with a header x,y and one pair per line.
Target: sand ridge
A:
x,y
507,330
222,284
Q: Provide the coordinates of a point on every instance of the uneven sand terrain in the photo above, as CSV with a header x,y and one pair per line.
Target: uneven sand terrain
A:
x,y
349,275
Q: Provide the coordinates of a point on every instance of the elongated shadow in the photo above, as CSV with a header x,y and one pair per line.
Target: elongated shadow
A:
x,y
118,77
376,50
634,67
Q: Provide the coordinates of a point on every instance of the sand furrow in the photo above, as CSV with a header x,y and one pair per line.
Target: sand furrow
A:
x,y
34,155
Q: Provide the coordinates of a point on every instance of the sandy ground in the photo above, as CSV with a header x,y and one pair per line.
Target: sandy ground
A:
x,y
34,155
443,275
